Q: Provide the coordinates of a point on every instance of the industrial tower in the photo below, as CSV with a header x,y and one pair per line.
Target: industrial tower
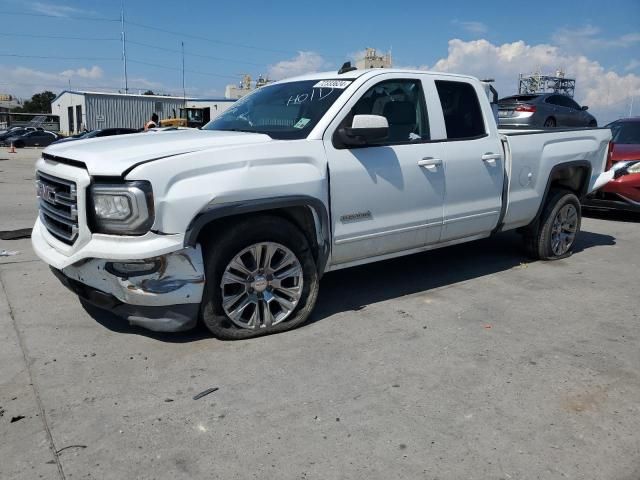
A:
x,y
538,83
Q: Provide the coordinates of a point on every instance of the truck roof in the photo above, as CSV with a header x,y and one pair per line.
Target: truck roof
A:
x,y
353,74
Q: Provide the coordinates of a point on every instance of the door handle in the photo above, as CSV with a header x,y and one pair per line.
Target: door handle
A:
x,y
430,163
490,158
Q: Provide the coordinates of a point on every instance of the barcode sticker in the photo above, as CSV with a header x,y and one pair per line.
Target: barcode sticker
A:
x,y
332,84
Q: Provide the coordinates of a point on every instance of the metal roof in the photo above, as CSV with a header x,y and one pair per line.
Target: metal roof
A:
x,y
158,97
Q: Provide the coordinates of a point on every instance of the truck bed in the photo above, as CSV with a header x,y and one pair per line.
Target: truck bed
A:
x,y
532,154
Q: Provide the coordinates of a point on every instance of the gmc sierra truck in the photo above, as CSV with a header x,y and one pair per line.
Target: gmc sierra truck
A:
x,y
234,224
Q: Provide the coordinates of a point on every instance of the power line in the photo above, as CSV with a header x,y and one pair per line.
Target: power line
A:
x,y
162,30
166,67
62,17
60,37
198,37
189,54
15,55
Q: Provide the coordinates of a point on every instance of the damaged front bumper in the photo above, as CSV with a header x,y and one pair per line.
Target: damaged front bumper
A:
x,y
166,300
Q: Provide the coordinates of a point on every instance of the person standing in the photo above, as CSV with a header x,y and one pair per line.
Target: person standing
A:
x,y
153,123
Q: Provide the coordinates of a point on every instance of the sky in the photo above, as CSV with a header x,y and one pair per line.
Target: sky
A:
x,y
57,44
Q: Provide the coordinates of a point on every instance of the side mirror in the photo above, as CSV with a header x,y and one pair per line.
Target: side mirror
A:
x,y
584,107
619,169
625,168
364,130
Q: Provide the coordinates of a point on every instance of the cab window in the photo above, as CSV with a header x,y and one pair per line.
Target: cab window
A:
x,y
401,102
461,108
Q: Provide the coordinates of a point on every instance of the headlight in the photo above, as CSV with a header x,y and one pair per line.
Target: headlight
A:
x,y
125,209
634,168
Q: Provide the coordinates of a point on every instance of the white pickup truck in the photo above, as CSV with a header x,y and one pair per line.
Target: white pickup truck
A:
x,y
236,223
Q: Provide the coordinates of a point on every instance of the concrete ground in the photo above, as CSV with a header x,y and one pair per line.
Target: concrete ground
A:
x,y
469,362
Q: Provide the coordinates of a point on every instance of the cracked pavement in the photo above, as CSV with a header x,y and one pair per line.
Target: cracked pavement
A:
x,y
468,362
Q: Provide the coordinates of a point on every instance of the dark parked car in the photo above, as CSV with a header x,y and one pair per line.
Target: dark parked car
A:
x,y
13,132
38,138
104,132
543,110
621,193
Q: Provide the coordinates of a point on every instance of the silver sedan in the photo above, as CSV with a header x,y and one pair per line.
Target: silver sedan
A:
x,y
543,110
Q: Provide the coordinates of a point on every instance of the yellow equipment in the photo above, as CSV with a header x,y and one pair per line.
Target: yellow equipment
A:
x,y
189,117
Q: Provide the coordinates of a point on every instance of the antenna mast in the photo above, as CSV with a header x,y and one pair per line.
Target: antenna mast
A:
x,y
124,48
184,91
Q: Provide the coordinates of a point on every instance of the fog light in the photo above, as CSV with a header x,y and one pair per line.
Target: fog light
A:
x,y
132,269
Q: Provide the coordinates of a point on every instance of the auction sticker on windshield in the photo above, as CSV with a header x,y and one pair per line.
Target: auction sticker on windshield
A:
x,y
302,123
332,84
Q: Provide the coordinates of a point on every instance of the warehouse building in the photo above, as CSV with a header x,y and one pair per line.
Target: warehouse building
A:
x,y
79,110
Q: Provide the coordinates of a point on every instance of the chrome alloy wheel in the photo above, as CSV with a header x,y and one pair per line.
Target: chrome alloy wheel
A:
x,y
564,229
261,285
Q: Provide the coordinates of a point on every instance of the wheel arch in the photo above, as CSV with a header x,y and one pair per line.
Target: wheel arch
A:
x,y
307,213
573,176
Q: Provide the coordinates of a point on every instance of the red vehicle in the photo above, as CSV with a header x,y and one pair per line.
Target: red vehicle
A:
x,y
622,193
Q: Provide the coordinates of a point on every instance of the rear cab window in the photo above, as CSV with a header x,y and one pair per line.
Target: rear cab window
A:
x,y
461,108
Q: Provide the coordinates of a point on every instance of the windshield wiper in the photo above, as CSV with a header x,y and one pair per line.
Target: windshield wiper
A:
x,y
239,130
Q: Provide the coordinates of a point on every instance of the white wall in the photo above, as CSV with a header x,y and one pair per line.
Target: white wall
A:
x,y
216,107
60,107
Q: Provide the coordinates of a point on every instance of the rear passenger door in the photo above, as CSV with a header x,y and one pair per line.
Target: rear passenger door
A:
x,y
577,117
472,156
561,113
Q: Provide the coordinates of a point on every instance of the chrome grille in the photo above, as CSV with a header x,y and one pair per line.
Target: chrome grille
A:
x,y
58,202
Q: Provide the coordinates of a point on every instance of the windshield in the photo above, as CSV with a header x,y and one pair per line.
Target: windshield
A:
x,y
283,111
625,132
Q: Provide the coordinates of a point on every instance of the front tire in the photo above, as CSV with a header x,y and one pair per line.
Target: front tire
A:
x,y
554,236
261,279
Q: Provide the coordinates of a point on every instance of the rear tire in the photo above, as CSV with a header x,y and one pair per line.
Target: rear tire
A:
x,y
255,298
550,122
554,235
593,124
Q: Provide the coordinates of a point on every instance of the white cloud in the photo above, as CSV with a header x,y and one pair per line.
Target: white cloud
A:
x,y
93,73
629,39
471,26
54,10
304,62
22,82
632,65
589,37
357,55
605,91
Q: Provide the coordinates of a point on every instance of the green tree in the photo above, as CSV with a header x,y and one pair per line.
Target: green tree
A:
x,y
149,92
39,103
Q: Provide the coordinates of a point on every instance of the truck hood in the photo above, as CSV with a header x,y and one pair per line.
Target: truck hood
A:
x,y
112,156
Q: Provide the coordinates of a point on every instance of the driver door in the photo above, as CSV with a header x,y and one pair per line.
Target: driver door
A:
x,y
386,196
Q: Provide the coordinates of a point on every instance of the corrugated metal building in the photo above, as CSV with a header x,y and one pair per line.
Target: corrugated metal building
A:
x,y
93,110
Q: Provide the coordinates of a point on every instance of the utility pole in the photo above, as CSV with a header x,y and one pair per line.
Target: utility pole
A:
x,y
184,91
631,106
124,48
